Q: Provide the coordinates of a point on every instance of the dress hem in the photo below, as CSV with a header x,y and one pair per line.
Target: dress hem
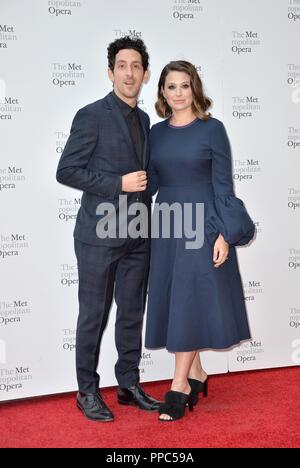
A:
x,y
200,348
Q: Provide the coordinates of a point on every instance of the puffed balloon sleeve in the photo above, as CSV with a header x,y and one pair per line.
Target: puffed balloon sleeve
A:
x,y
227,214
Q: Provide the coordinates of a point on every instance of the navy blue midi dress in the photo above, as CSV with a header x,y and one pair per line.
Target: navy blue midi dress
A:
x,y
192,304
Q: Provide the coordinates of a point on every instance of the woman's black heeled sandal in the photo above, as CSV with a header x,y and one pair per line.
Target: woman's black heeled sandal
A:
x,y
198,387
175,404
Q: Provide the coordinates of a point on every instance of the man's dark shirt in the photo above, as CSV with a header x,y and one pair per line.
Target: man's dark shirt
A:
x,y
133,122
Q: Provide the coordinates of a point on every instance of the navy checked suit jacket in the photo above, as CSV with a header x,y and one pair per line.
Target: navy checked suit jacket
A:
x,y
98,152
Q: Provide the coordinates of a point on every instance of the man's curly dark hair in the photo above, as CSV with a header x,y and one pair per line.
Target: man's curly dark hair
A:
x,y
127,42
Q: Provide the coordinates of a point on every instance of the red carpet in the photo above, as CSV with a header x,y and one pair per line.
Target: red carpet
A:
x,y
248,409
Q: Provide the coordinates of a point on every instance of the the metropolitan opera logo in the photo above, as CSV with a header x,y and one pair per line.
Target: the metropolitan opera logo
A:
x,y
293,74
62,8
68,339
118,33
60,141
294,318
11,177
183,10
9,107
14,379
244,42
7,35
293,139
246,170
249,351
293,81
14,312
12,245
293,10
146,362
66,74
68,275
293,201
252,289
294,259
68,209
245,107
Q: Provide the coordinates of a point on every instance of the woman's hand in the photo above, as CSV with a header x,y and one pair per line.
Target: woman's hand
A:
x,y
221,249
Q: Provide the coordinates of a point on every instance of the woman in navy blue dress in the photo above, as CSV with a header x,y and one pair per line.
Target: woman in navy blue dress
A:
x,y
195,296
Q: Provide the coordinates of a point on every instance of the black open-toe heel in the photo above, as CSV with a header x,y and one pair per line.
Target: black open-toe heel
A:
x,y
198,387
175,404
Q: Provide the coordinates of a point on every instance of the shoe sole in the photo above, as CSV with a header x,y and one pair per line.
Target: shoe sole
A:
x,y
167,420
131,403
94,420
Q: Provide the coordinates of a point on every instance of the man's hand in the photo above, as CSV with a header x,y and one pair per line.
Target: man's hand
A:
x,y
134,182
221,249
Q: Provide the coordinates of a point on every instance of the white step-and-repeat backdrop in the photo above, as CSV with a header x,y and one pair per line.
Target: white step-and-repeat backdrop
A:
x,y
52,62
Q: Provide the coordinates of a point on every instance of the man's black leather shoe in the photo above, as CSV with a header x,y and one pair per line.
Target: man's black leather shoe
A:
x,y
135,396
93,407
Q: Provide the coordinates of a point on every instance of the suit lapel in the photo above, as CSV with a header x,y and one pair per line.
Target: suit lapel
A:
x,y
145,147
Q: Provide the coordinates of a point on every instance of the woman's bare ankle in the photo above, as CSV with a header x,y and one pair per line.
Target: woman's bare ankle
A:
x,y
198,375
183,387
